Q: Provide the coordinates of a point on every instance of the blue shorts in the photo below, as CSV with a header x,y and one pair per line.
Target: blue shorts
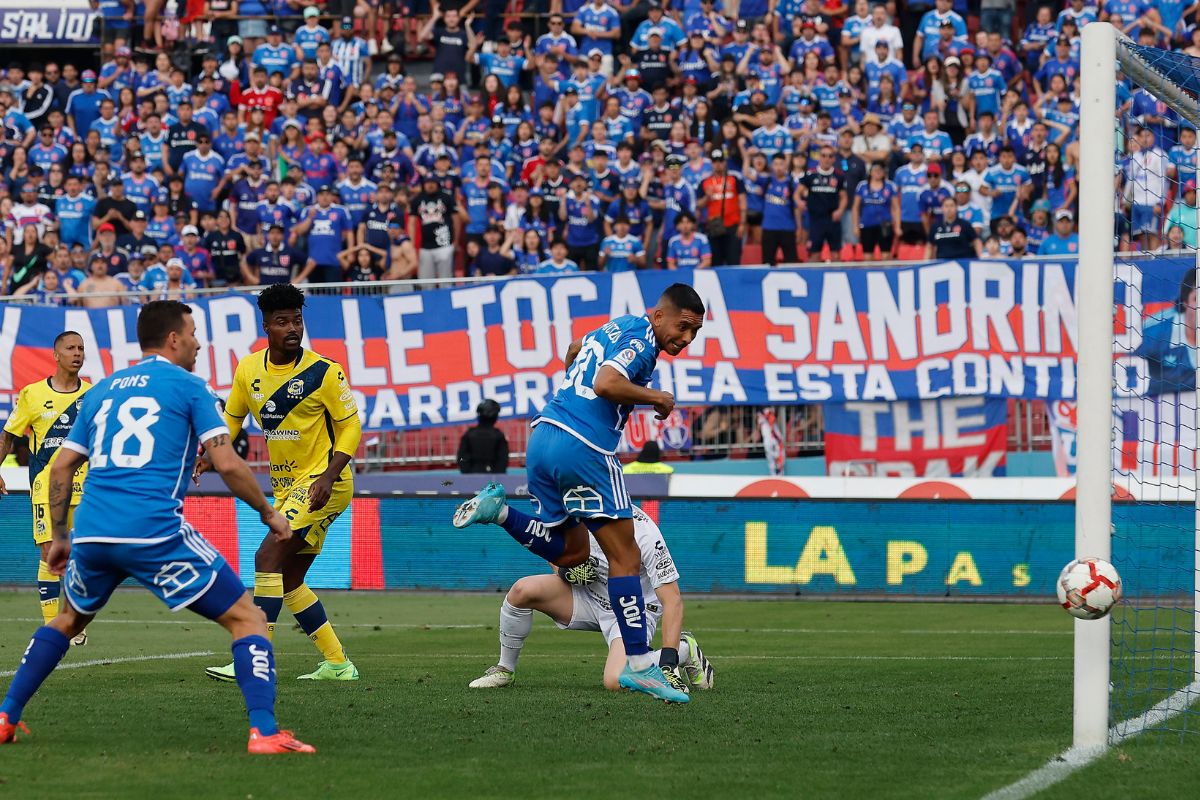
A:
x,y
569,479
1143,220
185,571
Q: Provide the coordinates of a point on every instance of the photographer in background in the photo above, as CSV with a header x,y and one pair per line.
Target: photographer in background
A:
x,y
483,448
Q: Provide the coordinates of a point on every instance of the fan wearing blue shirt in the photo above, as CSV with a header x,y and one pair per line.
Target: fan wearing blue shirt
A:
x,y
1006,183
622,251
597,25
688,249
925,45
1064,241
986,88
329,232
558,262
74,213
203,174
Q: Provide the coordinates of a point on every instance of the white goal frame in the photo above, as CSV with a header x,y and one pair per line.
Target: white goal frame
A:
x,y
1103,49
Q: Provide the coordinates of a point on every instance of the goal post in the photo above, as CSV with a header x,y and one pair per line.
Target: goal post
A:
x,y
1094,408
1139,669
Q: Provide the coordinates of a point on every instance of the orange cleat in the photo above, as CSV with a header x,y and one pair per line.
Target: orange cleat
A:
x,y
8,730
282,742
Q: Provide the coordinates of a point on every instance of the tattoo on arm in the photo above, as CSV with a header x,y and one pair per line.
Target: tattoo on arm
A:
x,y
219,440
60,501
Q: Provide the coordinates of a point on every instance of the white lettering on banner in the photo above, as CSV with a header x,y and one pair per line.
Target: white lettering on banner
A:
x,y
561,293
531,392
1131,376
204,360
837,321
779,383
94,369
425,404
933,339
356,358
461,399
473,300
626,296
1031,312
811,380
954,422
497,388
385,412
970,373
726,385
230,346
868,425
688,380
123,348
1058,308
513,297
400,341
799,346
8,343
894,315
718,327
988,309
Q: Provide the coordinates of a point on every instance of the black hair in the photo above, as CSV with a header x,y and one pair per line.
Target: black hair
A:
x,y
488,410
64,335
684,298
1186,287
280,297
158,319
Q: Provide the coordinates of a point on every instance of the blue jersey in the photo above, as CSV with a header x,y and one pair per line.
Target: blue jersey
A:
x,y
604,20
627,344
325,235
308,39
140,428
912,182
619,250
581,231
201,176
770,141
142,192
506,68
875,206
1005,185
688,255
988,88
779,204
75,219
355,199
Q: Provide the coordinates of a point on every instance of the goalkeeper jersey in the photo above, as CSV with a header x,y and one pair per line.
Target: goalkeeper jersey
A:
x,y
305,408
47,414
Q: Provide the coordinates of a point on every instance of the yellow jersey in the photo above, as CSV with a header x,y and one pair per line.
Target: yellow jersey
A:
x,y
306,412
47,414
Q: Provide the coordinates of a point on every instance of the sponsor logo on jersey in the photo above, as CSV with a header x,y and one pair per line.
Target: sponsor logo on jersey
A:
x,y
269,405
282,436
625,357
286,466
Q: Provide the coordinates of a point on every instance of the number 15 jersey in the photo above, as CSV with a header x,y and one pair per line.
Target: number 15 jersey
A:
x,y
627,344
140,429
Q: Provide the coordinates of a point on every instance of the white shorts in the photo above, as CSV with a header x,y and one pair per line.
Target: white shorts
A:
x,y
587,614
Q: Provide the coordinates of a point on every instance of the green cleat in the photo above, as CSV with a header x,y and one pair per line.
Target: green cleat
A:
x,y
224,673
698,669
483,507
328,671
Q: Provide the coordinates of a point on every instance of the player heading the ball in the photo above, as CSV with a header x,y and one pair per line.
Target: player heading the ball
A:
x,y
575,480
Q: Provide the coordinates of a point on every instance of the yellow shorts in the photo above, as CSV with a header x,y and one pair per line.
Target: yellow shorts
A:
x,y
313,525
42,534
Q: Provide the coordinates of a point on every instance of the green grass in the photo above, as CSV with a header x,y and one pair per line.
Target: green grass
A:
x,y
812,700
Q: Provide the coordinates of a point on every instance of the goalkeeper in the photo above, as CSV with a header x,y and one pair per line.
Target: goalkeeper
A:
x,y
577,599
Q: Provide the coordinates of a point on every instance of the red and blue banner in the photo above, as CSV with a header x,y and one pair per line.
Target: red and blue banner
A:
x,y
772,336
961,437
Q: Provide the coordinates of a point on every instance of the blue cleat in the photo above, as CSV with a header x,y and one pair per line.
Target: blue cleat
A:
x,y
652,681
482,508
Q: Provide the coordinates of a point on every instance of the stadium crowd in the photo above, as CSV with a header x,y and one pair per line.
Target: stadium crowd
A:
x,y
260,141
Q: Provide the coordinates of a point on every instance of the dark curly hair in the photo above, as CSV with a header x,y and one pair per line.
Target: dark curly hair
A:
x,y
280,297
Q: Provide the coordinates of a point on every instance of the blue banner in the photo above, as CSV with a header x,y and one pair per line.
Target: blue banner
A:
x,y
68,22
772,336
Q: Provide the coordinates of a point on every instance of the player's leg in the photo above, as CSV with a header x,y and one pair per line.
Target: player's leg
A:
x,y
614,665
310,614
46,649
563,543
548,594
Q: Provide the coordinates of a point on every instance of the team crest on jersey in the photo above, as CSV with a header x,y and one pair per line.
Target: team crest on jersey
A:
x,y
295,388
626,356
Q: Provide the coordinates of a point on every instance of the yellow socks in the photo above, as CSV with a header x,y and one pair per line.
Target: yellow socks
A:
x,y
311,615
48,590
268,595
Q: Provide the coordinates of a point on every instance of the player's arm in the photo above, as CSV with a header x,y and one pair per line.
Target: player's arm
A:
x,y
7,442
347,432
14,428
616,388
573,352
672,618
240,480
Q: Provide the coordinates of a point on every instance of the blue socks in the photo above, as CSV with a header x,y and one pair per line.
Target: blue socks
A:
x,y
625,594
533,535
254,666
46,649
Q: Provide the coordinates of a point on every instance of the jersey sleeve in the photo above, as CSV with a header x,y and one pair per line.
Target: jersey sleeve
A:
x,y
657,562
204,411
339,400
18,421
236,405
632,354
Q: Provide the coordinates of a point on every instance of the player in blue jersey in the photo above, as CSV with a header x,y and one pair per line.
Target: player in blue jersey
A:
x,y
139,429
575,480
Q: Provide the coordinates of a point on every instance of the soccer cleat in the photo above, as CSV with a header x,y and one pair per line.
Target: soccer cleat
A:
x,y
81,639
483,507
699,669
282,742
8,730
651,681
328,671
495,677
580,575
676,680
224,673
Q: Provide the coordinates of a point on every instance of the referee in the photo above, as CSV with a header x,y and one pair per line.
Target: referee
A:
x,y
953,237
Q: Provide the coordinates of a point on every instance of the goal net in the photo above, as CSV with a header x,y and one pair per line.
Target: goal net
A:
x,y
1136,300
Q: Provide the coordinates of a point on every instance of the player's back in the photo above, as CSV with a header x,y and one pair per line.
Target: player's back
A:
x,y
140,429
628,345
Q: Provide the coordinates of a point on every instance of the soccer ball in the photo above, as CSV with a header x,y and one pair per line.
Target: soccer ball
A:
x,y
1088,588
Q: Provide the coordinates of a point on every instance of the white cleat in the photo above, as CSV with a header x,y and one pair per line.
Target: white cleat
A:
x,y
81,639
495,678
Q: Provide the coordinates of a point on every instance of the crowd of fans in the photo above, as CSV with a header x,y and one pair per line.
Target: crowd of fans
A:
x,y
260,141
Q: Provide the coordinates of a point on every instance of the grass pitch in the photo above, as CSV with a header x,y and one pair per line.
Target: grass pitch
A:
x,y
812,700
